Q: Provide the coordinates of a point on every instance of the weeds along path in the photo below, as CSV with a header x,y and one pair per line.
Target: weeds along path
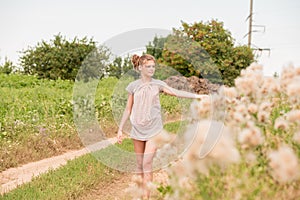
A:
x,y
11,178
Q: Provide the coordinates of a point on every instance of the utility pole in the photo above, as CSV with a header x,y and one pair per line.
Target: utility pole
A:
x,y
250,31
250,24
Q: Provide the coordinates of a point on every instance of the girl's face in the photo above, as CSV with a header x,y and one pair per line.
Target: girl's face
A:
x,y
148,68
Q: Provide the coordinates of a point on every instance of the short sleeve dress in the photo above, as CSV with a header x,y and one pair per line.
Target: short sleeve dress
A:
x,y
145,115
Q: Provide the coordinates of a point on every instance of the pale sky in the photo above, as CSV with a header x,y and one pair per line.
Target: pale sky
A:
x,y
26,22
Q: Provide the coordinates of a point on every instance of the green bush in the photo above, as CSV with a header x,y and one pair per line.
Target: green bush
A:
x,y
62,59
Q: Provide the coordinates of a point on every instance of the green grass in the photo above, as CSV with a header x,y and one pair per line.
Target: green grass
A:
x,y
71,181
176,127
36,115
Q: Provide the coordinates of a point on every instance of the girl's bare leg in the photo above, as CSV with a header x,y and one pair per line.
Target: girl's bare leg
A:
x,y
149,153
139,148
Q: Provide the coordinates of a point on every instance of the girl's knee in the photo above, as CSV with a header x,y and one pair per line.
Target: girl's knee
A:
x,y
147,164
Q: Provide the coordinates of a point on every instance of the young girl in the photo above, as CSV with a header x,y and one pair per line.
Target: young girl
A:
x,y
143,108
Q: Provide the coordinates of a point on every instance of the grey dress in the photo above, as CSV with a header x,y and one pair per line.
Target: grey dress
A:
x,y
145,118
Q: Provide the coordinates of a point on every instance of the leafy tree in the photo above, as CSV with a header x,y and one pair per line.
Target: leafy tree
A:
x,y
7,67
119,66
115,68
62,59
155,48
204,50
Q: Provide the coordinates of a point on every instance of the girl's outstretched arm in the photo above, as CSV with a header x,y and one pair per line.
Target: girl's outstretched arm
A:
x,y
125,116
182,94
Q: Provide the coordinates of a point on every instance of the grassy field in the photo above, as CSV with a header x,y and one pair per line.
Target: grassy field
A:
x,y
36,119
36,116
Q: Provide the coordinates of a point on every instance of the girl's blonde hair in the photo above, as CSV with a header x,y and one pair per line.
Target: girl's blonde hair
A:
x,y
140,60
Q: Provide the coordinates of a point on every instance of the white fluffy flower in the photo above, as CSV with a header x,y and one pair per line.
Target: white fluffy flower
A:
x,y
230,92
281,123
252,108
297,137
284,164
263,116
293,90
201,109
250,137
212,144
293,116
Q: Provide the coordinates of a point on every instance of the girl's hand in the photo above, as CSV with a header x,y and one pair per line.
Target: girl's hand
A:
x,y
201,96
120,136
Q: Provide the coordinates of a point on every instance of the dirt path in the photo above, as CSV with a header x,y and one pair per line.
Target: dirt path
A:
x,y
11,178
117,190
111,191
